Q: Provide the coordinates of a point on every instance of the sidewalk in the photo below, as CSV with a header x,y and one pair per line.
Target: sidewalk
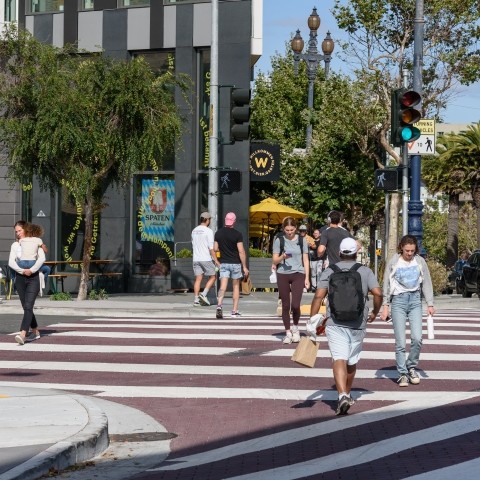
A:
x,y
47,429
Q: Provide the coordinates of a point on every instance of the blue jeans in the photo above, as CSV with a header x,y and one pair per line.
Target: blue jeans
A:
x,y
403,306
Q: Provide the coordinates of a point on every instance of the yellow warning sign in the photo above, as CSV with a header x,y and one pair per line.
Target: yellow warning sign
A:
x,y
426,126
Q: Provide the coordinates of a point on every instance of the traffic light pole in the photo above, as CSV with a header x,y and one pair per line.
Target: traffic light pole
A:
x,y
415,206
405,173
214,115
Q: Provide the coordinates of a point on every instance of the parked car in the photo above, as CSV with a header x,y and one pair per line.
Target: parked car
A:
x,y
470,280
455,275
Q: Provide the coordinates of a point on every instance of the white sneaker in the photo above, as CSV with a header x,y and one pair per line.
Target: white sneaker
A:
x,y
203,300
288,338
295,336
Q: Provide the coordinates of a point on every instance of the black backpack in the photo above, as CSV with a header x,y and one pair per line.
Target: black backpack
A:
x,y
281,237
345,294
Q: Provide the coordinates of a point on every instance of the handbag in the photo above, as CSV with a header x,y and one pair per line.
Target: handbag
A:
x,y
306,352
273,277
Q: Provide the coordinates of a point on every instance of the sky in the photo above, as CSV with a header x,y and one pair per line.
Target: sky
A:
x,y
281,19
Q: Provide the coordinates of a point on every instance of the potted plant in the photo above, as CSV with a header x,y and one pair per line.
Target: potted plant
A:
x,y
181,270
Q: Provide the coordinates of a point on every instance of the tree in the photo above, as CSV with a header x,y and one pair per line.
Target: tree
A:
x,y
441,175
466,152
82,123
337,172
380,46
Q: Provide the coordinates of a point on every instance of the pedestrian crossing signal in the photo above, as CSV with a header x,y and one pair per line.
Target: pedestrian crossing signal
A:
x,y
229,181
386,179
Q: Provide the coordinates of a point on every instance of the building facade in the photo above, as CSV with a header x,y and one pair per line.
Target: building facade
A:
x,y
143,226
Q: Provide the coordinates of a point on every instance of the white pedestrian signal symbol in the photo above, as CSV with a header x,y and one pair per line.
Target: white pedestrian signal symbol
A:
x,y
386,179
381,180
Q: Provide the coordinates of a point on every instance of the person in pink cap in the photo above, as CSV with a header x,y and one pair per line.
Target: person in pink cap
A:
x,y
233,259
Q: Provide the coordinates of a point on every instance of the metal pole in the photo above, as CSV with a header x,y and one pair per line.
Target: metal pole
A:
x,y
415,206
214,117
405,173
311,82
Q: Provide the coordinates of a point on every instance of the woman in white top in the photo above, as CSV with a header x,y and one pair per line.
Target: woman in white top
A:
x,y
28,285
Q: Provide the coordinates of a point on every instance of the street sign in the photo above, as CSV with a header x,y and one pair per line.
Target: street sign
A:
x,y
425,145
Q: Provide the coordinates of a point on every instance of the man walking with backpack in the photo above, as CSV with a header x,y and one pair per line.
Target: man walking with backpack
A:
x,y
347,284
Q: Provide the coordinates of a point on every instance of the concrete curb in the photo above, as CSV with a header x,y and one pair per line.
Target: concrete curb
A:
x,y
89,442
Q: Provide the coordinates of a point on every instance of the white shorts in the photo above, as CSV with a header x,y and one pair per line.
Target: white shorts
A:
x,y
345,343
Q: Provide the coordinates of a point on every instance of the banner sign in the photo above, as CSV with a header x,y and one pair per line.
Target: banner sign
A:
x,y
158,208
264,162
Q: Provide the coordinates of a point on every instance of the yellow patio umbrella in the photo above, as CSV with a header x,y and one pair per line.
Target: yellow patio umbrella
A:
x,y
271,212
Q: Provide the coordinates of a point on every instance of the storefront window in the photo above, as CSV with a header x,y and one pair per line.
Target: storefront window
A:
x,y
72,232
43,6
154,224
204,109
10,11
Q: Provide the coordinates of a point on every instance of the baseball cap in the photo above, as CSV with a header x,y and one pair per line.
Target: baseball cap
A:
x,y
205,215
230,219
302,227
348,246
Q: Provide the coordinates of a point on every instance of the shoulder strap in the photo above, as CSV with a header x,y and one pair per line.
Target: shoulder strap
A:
x,y
282,243
356,267
300,244
334,268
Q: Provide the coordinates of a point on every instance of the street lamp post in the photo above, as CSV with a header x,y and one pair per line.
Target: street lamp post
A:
x,y
312,59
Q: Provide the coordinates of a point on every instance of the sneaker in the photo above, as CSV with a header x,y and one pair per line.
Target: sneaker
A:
x,y
19,339
219,312
402,381
295,336
288,338
204,300
32,337
343,405
235,314
196,303
413,376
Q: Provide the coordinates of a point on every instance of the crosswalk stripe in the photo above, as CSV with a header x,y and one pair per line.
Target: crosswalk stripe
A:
x,y
238,337
219,351
222,370
295,435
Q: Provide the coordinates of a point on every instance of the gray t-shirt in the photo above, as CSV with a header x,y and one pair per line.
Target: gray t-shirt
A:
x,y
369,281
293,264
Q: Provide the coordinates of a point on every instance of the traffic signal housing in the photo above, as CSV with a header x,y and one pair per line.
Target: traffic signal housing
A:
x,y
239,114
229,181
387,179
403,116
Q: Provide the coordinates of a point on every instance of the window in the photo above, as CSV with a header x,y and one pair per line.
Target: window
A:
x,y
154,197
43,6
170,2
72,231
10,10
133,3
86,4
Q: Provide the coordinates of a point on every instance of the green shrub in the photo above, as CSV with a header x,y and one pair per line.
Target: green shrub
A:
x,y
98,294
439,275
61,296
184,253
257,253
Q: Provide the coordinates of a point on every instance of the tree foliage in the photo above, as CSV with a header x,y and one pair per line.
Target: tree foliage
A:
x,y
337,172
82,122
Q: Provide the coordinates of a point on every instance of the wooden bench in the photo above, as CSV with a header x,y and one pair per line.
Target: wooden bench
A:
x,y
60,277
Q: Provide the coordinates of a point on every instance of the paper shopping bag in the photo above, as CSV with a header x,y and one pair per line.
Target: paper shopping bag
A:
x,y
306,352
246,286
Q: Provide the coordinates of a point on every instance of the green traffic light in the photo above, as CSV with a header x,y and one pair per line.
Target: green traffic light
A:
x,y
410,134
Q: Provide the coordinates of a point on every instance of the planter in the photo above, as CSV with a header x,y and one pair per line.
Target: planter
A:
x,y
181,272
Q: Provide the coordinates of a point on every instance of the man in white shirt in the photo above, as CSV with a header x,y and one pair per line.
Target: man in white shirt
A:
x,y
204,259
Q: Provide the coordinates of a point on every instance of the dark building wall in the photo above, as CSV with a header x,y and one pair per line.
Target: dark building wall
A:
x,y
234,62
